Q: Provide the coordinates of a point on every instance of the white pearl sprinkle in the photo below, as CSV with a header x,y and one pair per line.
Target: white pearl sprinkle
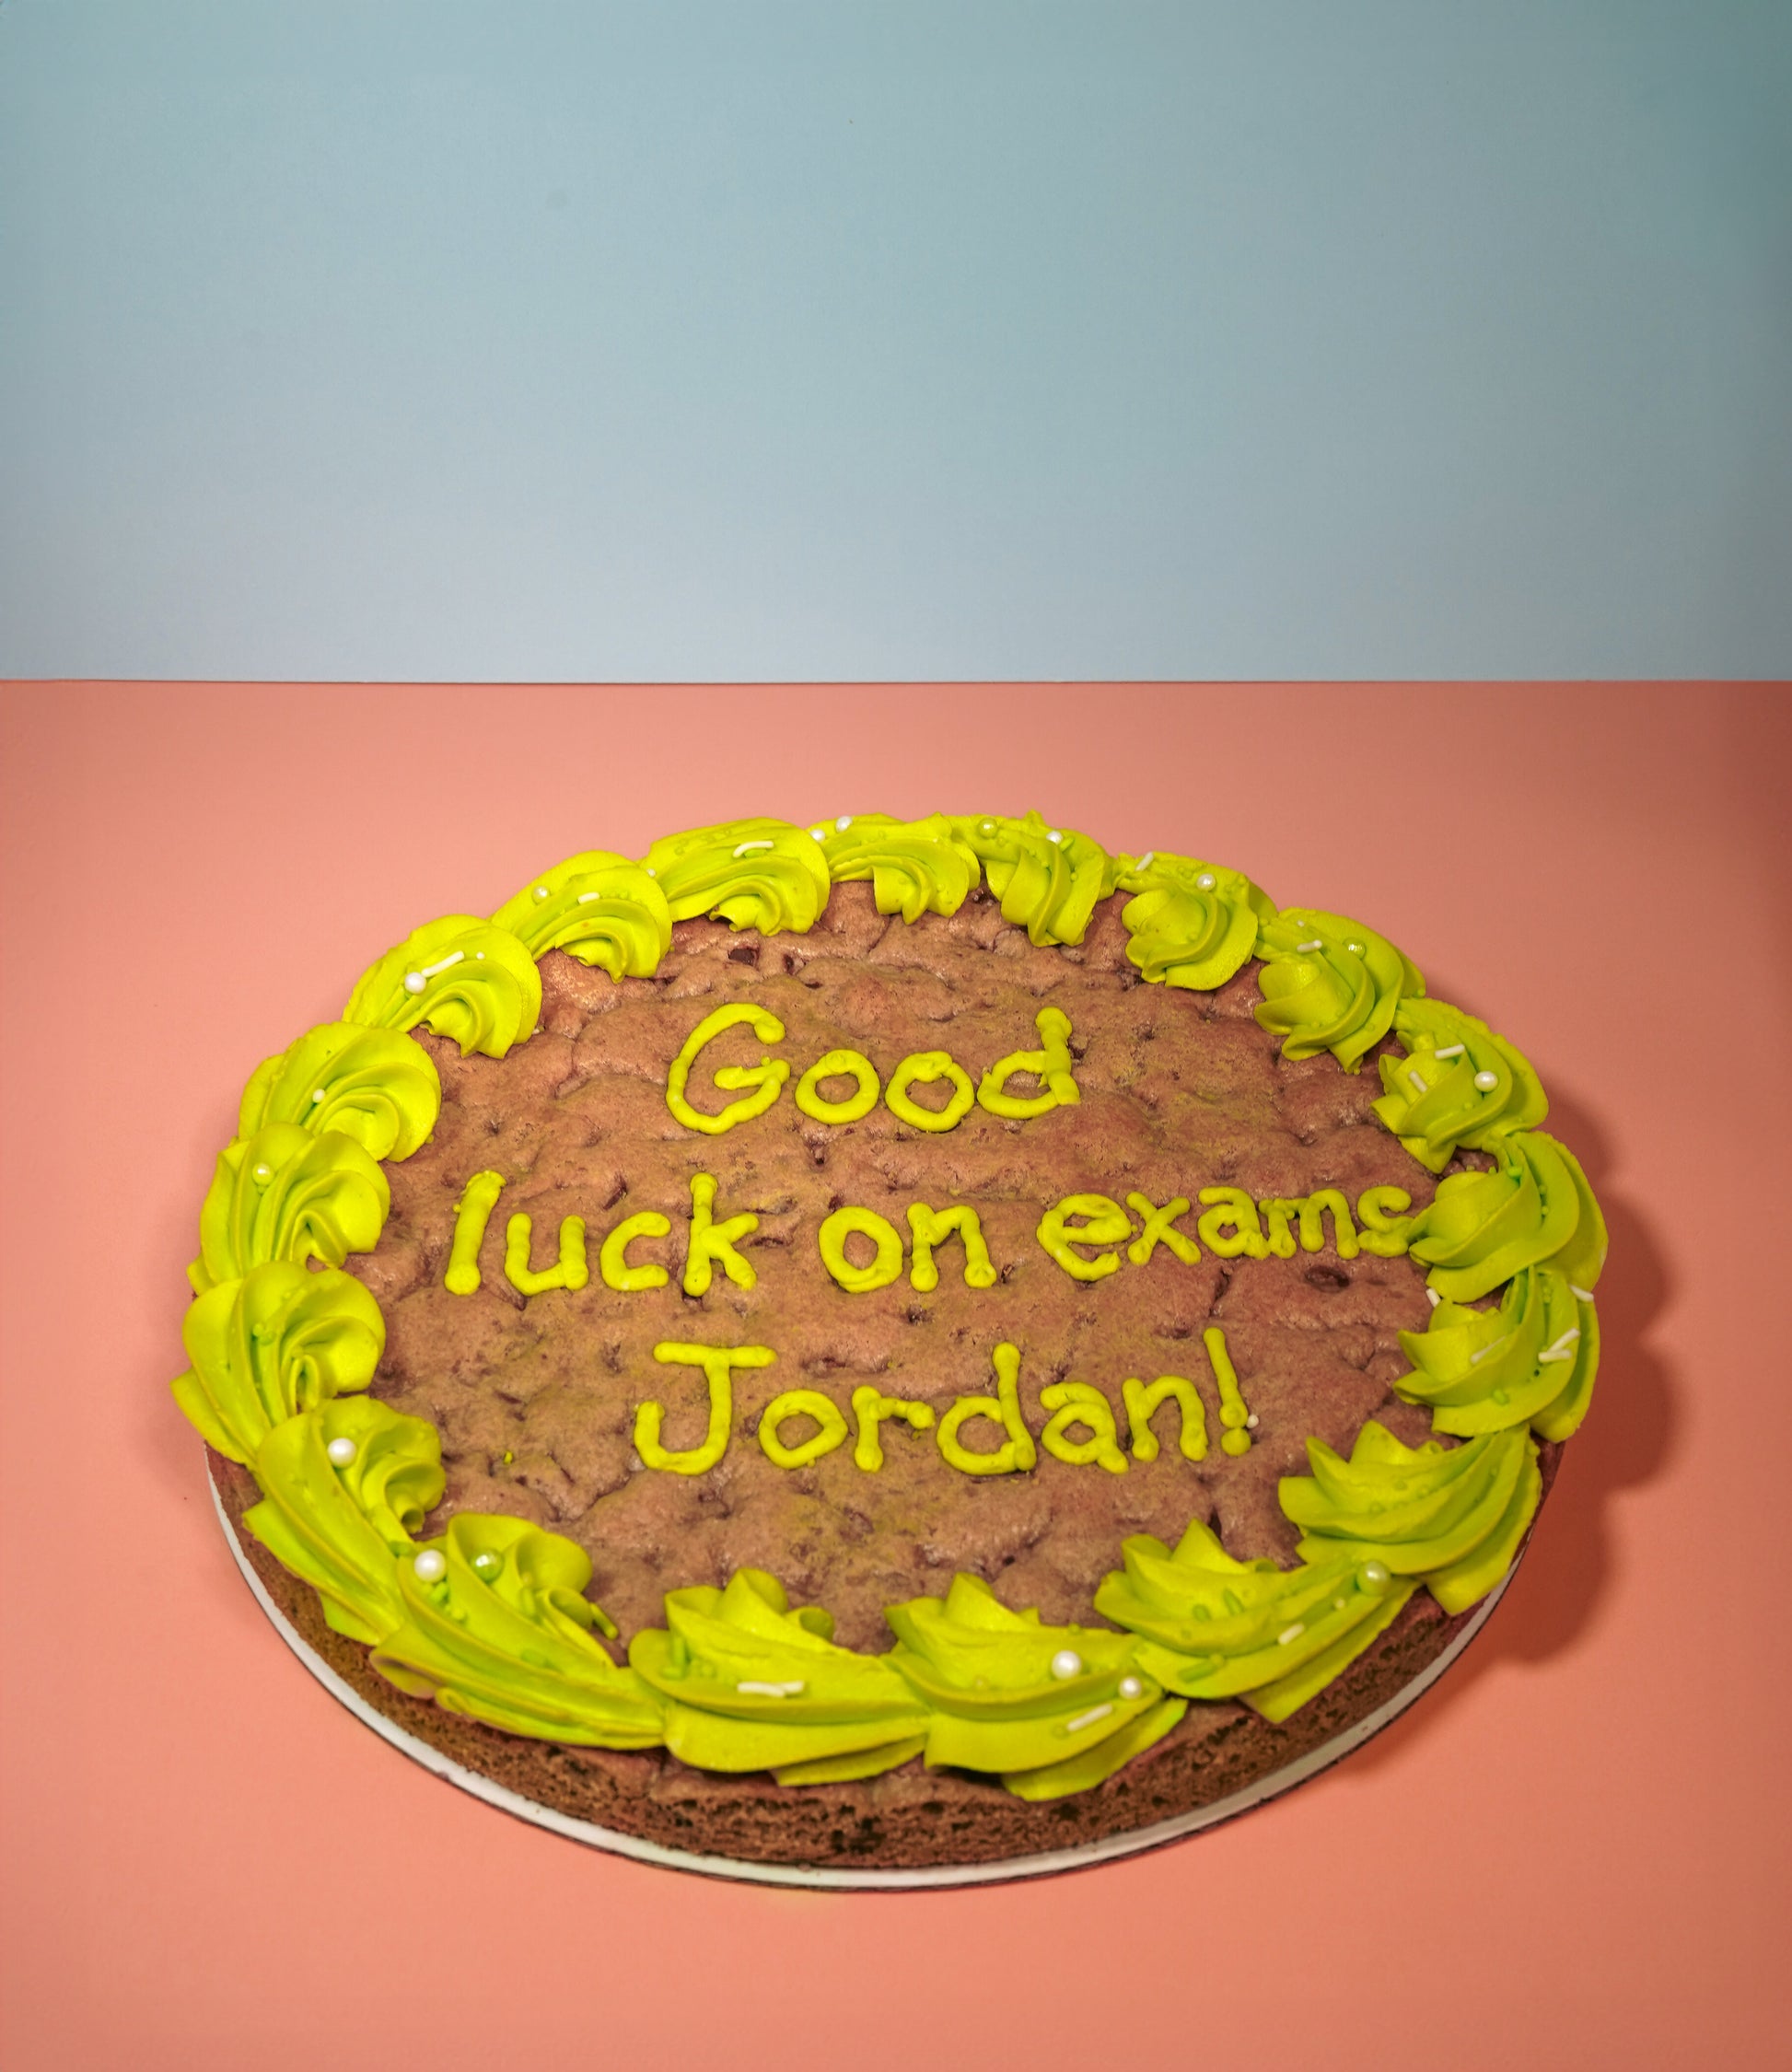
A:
x,y
1066,1663
1487,1081
264,1174
818,833
1356,949
430,1566
342,1451
540,891
1129,1687
480,954
1251,1422
485,1561
1052,834
414,982
1374,1576
985,827
317,1094
1205,882
652,873
843,823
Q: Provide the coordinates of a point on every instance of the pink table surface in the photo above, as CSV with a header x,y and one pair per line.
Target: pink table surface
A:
x,y
1573,1852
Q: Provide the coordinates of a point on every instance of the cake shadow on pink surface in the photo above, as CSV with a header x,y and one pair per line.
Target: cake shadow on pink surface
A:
x,y
1628,1441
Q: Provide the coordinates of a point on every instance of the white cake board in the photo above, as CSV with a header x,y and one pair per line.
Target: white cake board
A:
x,y
856,1880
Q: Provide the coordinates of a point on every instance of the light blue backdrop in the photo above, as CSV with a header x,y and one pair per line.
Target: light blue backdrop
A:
x,y
923,338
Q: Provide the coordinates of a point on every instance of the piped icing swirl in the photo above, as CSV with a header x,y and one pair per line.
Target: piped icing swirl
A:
x,y
281,1340
1531,1361
1452,1519
464,978
1047,879
1457,1084
1214,1627
750,1685
1481,1229
283,1193
596,906
373,1085
343,1525
1331,985
497,1627
1192,924
1041,1705
915,866
758,874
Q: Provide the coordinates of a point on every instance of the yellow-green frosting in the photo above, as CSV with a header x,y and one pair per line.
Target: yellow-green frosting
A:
x,y
1052,1708
1534,1205
915,866
1479,1088
598,907
1531,1361
1192,924
504,1633
281,1340
373,1085
1048,879
1331,985
283,1193
1453,1518
464,978
1213,1627
750,1685
490,1619
756,874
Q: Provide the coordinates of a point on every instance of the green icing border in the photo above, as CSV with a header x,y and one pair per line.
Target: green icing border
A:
x,y
490,1619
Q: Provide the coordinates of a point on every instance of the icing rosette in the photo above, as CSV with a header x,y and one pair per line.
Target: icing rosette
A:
x,y
375,1084
1192,924
756,874
278,1342
597,906
1212,1627
1531,1361
341,1524
1047,879
1054,1709
1459,1083
462,977
496,1627
915,866
750,1685
1331,985
1452,1518
283,1193
1481,1229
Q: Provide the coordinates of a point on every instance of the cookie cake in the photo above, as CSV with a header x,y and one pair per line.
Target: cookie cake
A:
x,y
883,1352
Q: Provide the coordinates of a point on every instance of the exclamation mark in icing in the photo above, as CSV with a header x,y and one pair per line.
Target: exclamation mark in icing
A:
x,y
473,1211
1234,1412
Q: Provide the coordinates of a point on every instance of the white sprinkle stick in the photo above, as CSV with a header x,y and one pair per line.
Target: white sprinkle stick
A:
x,y
1146,860
1290,1633
1087,1719
747,848
415,980
1432,1297
1416,1081
1316,943
1586,1294
1454,1050
768,1690
1563,1348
